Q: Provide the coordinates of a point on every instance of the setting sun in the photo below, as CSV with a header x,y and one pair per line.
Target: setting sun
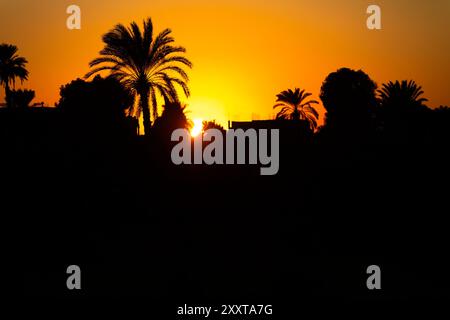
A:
x,y
197,127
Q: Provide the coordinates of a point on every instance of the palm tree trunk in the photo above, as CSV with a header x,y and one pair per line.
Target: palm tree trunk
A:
x,y
296,114
145,111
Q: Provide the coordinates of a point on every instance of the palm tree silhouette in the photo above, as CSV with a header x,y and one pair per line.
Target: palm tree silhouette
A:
x,y
294,107
11,67
145,65
212,124
406,94
22,98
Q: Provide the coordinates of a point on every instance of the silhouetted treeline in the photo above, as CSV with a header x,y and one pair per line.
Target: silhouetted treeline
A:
x,y
369,187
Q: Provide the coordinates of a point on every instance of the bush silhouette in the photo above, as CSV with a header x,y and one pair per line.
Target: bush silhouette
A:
x,y
97,107
349,98
172,118
212,125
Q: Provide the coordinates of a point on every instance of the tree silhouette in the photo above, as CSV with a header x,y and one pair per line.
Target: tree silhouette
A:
x,y
147,66
20,98
12,66
401,95
350,101
212,125
440,124
404,117
172,117
96,107
294,107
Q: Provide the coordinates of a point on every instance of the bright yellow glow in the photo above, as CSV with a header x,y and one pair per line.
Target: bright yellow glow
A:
x,y
197,128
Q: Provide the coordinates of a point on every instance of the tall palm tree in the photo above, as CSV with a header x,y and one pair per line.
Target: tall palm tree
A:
x,y
295,106
148,66
11,67
401,95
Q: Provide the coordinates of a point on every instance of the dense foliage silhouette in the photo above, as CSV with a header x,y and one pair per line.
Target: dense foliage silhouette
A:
x,y
172,117
96,108
349,98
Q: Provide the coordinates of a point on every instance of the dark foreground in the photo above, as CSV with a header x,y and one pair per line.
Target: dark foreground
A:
x,y
146,231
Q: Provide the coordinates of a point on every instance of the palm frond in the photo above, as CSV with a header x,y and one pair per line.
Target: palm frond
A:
x,y
143,63
293,105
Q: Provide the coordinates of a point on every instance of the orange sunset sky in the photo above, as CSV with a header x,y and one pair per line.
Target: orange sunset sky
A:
x,y
244,52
